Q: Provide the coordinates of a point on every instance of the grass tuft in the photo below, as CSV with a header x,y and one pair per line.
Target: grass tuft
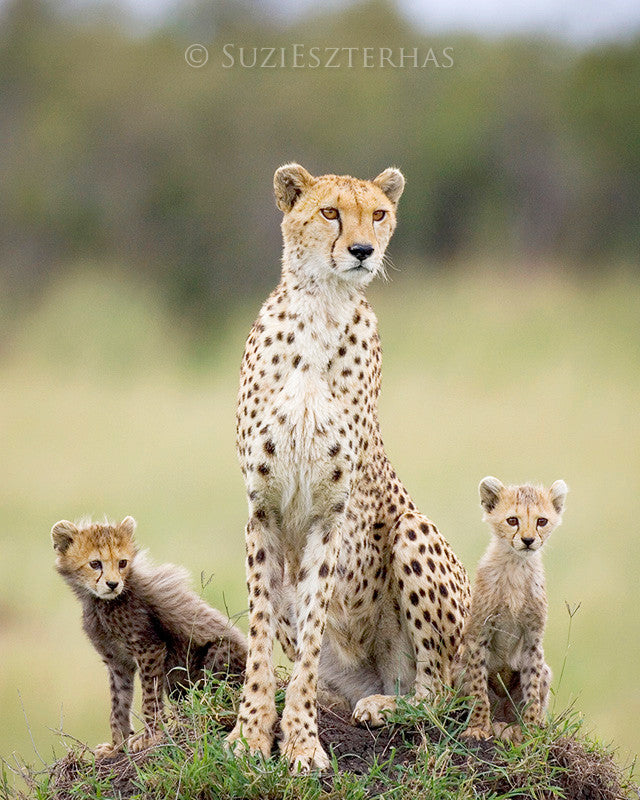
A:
x,y
418,753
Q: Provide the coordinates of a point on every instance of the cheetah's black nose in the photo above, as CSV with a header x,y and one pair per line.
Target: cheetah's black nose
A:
x,y
526,541
361,251
112,584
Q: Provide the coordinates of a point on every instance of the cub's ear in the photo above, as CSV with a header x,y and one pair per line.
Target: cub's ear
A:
x,y
490,490
289,182
391,181
558,493
62,535
127,527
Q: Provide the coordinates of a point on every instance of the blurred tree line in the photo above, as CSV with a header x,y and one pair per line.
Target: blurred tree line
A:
x,y
114,150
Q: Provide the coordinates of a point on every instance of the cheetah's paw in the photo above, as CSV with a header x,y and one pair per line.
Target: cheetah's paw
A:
x,y
476,732
253,740
306,756
371,710
508,732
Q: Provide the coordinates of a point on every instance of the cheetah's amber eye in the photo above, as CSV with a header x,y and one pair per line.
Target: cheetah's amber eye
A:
x,y
542,521
379,215
123,563
95,564
330,213
513,521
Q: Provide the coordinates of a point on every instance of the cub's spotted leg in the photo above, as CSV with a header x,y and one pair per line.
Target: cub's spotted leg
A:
x,y
257,713
224,660
151,664
532,676
534,700
474,683
121,689
314,587
545,687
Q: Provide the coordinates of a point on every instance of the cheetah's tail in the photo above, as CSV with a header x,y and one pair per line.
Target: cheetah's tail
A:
x,y
166,588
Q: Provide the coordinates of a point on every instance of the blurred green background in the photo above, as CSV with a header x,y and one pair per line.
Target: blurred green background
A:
x,y
139,237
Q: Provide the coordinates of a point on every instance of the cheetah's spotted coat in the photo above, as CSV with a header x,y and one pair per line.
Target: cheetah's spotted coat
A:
x,y
361,590
142,618
501,662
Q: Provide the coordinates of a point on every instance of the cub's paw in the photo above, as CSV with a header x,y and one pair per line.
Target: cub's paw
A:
x,y
508,732
141,741
104,750
304,756
251,739
371,710
534,720
477,733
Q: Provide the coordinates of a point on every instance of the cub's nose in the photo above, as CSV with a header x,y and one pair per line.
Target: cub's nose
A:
x,y
361,251
112,585
526,541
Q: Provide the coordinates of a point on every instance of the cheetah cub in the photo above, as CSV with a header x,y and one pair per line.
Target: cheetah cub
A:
x,y
501,663
144,617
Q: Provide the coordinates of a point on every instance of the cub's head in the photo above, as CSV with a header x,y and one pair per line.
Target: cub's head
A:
x,y
336,227
94,557
522,516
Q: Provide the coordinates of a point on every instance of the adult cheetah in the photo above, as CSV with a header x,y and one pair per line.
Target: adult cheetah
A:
x,y
358,586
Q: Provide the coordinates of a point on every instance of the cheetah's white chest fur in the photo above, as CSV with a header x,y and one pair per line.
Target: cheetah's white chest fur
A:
x,y
302,472
303,467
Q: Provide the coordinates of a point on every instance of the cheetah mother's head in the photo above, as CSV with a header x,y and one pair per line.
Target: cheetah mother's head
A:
x,y
336,227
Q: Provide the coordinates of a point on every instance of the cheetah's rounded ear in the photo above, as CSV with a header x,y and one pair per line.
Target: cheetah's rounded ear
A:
x,y
391,181
490,490
558,494
127,526
62,535
289,182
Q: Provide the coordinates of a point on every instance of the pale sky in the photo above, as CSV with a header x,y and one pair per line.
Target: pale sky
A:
x,y
579,21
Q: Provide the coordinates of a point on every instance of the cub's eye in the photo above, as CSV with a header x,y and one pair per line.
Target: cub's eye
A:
x,y
513,521
123,563
95,564
330,213
542,521
379,215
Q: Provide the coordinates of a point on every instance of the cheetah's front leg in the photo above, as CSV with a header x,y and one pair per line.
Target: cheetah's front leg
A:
x,y
257,713
314,589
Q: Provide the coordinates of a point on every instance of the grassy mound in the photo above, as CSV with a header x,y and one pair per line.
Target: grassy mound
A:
x,y
418,754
